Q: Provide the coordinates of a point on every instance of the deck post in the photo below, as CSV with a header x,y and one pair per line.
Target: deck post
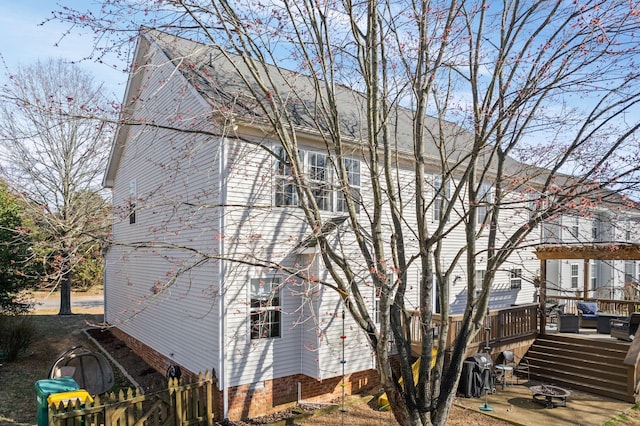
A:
x,y
542,295
587,271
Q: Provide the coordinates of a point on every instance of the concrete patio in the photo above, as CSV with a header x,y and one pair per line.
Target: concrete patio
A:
x,y
515,404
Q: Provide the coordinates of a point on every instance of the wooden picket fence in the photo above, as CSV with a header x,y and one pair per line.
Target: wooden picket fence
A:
x,y
190,403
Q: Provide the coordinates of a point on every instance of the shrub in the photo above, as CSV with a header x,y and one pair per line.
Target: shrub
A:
x,y
17,333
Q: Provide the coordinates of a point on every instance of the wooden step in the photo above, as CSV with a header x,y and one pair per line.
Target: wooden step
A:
x,y
588,371
594,366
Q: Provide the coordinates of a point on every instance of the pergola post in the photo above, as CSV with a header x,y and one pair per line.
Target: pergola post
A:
x,y
587,271
543,295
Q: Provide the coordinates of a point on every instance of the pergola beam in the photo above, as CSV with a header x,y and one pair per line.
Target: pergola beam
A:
x,y
604,251
586,252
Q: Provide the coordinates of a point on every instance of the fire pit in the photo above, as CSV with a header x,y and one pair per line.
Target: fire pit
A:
x,y
550,396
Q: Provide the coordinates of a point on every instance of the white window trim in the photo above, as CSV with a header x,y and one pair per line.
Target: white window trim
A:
x,y
515,278
575,275
275,284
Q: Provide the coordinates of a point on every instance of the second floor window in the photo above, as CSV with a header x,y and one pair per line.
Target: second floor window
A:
x,y
352,167
595,230
574,230
320,177
484,199
285,191
320,180
515,279
441,196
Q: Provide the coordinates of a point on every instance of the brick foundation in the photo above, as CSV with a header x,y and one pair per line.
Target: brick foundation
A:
x,y
269,396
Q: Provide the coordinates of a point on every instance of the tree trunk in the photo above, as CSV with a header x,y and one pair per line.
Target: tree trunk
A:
x,y
65,291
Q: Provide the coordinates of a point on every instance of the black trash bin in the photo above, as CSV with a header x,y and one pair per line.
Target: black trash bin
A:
x,y
477,376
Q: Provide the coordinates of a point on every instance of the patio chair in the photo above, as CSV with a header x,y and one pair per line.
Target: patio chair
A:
x,y
588,313
625,329
568,323
516,365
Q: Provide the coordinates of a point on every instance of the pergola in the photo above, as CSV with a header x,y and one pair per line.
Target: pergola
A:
x,y
586,252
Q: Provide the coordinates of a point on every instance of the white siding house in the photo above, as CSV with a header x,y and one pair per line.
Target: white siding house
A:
x,y
185,203
606,279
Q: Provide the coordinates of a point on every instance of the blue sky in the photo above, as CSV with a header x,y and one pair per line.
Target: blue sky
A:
x,y
23,41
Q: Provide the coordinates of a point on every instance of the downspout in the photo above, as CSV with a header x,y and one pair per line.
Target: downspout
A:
x,y
222,360
105,317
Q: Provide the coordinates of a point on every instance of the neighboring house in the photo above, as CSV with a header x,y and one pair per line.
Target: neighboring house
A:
x,y
611,223
184,202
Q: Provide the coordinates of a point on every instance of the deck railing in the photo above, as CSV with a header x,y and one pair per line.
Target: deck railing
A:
x,y
501,326
620,307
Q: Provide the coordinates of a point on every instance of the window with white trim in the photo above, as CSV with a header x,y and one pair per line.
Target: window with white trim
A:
x,y
478,280
265,308
595,230
484,199
575,270
441,196
352,167
574,230
594,275
629,271
285,192
320,180
515,278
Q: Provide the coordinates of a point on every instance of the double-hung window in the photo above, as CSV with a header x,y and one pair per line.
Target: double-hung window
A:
x,y
595,230
265,308
629,271
352,167
594,275
515,278
575,271
575,227
441,196
484,199
319,176
286,194
320,180
479,279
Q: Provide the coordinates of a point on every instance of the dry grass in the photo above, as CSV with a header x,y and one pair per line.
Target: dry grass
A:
x,y
55,334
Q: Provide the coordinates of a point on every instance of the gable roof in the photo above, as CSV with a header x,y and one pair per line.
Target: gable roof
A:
x,y
217,76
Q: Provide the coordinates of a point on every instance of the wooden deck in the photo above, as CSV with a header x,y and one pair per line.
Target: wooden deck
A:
x,y
516,329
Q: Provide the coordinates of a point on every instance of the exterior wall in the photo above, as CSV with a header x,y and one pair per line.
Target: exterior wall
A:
x,y
215,195
165,173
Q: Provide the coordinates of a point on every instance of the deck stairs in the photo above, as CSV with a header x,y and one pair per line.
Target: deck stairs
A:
x,y
593,366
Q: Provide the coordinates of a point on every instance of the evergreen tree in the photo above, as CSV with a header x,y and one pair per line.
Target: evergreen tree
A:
x,y
16,266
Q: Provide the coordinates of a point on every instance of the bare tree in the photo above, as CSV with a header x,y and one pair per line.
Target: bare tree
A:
x,y
55,151
518,112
